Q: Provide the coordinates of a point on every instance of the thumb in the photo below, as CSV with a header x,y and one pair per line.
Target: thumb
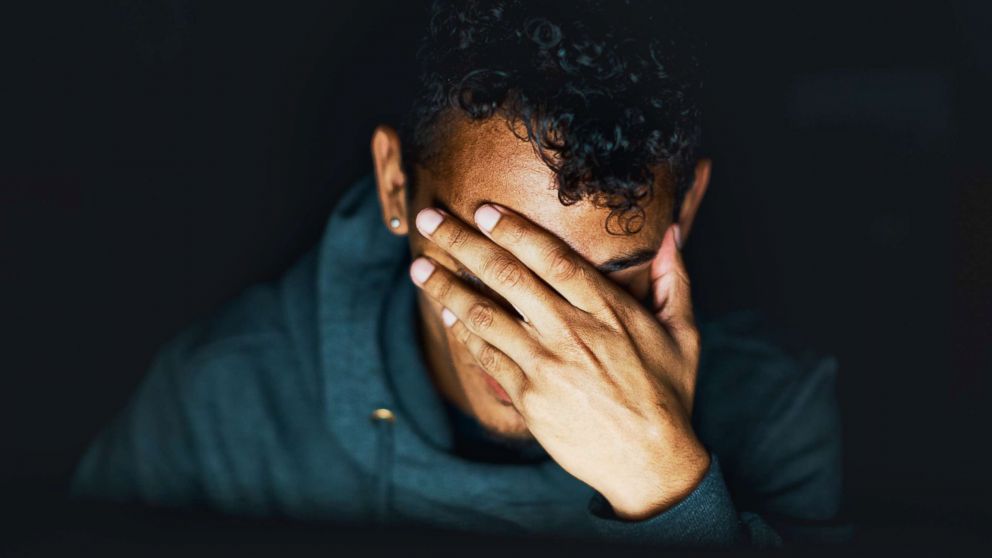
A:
x,y
671,300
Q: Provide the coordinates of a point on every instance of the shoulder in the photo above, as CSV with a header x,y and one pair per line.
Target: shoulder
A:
x,y
742,354
261,339
769,410
221,397
209,410
264,345
281,318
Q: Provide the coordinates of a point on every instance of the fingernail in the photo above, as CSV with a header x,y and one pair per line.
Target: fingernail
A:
x,y
678,236
428,221
487,216
448,317
420,270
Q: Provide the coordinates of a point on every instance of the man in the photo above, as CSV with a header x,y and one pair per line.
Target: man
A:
x,y
496,331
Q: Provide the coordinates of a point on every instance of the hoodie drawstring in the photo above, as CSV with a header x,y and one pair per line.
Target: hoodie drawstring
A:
x,y
384,419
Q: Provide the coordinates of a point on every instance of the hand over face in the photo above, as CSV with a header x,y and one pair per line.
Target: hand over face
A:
x,y
604,384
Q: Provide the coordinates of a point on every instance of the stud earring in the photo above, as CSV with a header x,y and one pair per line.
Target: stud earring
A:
x,y
394,222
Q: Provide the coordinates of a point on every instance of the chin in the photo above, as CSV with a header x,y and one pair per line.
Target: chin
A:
x,y
496,416
504,421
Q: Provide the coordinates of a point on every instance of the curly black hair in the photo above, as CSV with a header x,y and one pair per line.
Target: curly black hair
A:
x,y
606,90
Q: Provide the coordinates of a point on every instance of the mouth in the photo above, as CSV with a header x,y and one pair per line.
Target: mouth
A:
x,y
495,389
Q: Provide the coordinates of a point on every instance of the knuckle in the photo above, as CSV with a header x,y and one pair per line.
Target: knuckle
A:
x,y
690,388
561,263
462,334
520,386
504,271
442,286
582,345
536,357
457,237
541,368
600,307
693,341
530,403
513,232
481,315
612,315
569,338
488,356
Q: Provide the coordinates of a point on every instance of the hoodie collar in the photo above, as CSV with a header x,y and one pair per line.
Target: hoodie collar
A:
x,y
370,349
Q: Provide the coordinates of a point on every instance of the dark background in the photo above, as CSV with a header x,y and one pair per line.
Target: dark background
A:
x,y
158,157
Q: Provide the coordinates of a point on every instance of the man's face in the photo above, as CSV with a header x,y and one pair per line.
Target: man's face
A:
x,y
485,162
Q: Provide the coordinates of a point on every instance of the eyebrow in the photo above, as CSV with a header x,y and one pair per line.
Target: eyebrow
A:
x,y
628,260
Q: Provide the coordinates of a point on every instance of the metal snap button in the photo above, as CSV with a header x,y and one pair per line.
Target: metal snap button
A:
x,y
383,414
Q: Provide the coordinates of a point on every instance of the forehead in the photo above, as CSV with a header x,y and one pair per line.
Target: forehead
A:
x,y
486,162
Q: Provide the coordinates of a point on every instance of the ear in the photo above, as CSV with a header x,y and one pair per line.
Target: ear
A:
x,y
694,197
390,179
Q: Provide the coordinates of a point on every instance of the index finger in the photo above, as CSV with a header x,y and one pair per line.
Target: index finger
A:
x,y
494,265
554,261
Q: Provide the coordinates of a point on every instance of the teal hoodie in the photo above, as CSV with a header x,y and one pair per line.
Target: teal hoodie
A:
x,y
308,397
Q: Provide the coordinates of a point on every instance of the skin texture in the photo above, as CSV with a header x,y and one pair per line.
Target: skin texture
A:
x,y
602,370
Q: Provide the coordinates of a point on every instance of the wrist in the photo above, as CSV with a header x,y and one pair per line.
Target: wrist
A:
x,y
662,489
